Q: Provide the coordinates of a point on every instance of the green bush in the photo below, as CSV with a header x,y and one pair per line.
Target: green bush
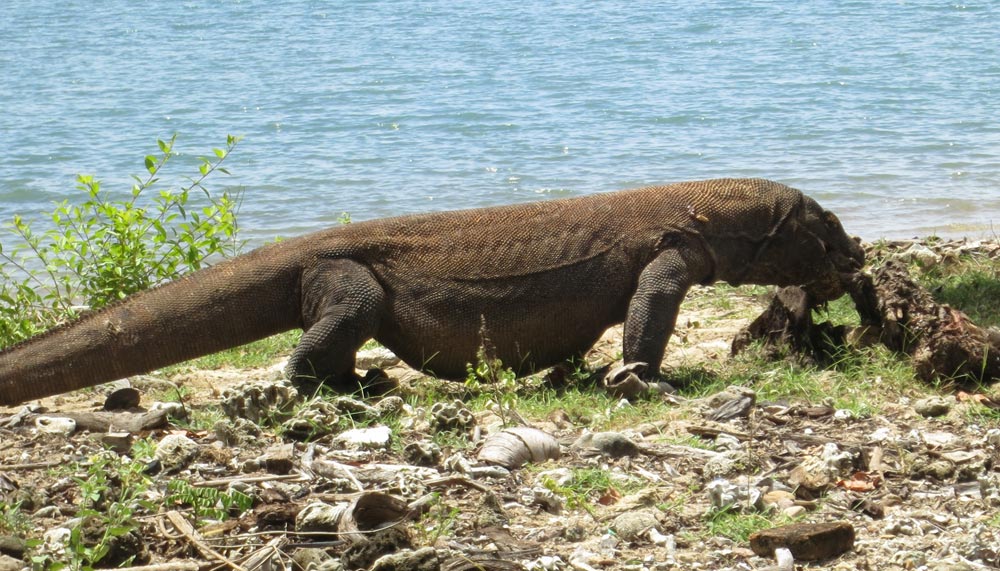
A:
x,y
107,247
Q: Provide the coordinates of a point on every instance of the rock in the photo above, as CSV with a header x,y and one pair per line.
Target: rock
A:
x,y
936,469
13,546
320,517
8,563
932,406
734,402
451,416
175,451
635,525
122,399
354,408
55,425
389,406
423,559
422,453
173,409
779,499
278,459
259,400
725,464
375,358
236,432
792,512
373,438
312,559
806,541
613,444
317,418
119,442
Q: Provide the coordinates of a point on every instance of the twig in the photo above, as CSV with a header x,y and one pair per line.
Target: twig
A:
x,y
169,566
192,535
32,465
247,480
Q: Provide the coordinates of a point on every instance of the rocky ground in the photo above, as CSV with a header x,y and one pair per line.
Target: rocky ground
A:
x,y
442,476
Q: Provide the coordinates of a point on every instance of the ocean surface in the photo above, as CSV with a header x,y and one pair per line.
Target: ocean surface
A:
x,y
886,112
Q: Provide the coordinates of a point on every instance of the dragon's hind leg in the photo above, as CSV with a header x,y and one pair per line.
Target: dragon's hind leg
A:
x,y
341,305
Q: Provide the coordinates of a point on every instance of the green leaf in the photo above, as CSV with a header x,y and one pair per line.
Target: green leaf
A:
x,y
151,164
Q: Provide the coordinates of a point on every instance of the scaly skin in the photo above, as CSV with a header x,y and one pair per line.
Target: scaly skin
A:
x,y
540,281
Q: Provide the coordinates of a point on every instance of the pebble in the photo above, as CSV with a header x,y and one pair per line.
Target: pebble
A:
x,y
932,406
373,438
319,517
174,451
423,559
612,444
55,425
733,402
634,525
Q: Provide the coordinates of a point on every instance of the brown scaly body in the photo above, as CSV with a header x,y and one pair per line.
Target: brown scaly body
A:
x,y
541,281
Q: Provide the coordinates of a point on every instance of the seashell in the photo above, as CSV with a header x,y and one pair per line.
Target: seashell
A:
x,y
515,447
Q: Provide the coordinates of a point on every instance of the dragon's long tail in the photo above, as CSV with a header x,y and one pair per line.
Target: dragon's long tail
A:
x,y
232,303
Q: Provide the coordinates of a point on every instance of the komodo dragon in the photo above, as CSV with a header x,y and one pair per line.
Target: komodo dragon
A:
x,y
541,281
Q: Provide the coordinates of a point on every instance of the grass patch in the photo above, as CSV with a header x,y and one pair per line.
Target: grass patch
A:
x,y
252,355
739,526
974,288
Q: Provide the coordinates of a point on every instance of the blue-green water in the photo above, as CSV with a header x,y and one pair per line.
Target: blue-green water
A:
x,y
887,112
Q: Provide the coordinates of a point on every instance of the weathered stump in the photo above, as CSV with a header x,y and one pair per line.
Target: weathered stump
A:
x,y
895,311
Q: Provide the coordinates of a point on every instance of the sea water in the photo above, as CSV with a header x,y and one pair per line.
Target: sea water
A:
x,y
887,112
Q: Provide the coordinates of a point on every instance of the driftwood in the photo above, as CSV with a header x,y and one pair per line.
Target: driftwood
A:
x,y
895,311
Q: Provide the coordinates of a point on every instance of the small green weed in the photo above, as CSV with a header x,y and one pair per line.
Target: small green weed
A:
x,y
13,520
439,521
105,248
736,525
207,503
499,384
111,492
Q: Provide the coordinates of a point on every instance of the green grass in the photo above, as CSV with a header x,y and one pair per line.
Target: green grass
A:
x,y
252,355
975,290
739,526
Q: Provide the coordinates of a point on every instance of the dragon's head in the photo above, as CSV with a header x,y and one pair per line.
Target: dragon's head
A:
x,y
809,249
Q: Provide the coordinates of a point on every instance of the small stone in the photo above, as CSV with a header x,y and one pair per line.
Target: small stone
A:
x,y
320,517
423,559
375,358
793,512
634,525
122,399
613,444
453,416
13,546
55,425
734,402
311,558
373,438
806,541
391,405
119,442
779,499
175,451
932,407
8,563
278,459
422,453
